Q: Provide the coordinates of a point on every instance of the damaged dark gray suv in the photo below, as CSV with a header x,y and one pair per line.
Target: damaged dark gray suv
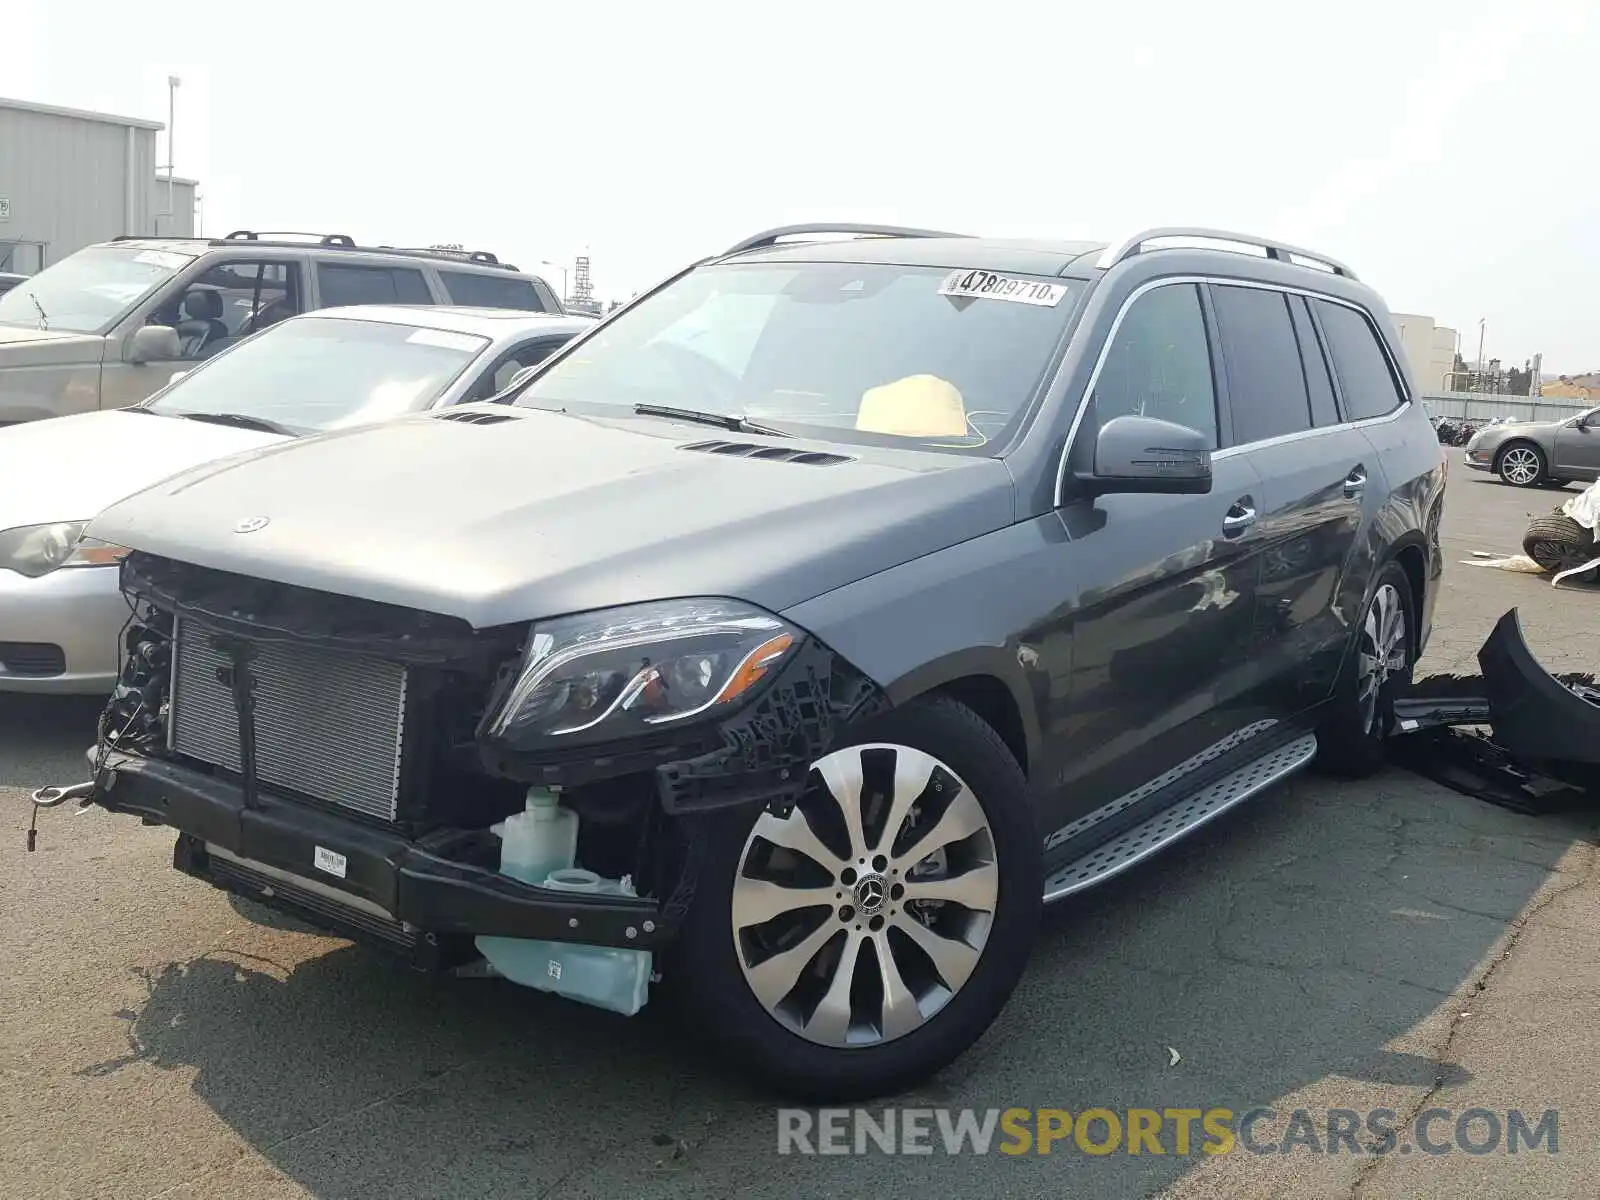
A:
x,y
795,634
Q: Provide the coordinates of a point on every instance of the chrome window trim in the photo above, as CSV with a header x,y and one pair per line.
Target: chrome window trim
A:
x,y
1398,375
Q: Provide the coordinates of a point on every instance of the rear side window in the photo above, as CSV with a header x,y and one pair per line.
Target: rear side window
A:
x,y
1324,408
1159,363
344,283
1267,394
493,291
1365,378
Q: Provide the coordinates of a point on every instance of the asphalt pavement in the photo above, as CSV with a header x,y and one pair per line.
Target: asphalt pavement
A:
x,y
1385,945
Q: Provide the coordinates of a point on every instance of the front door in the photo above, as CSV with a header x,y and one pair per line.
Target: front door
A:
x,y
1155,676
1577,447
210,311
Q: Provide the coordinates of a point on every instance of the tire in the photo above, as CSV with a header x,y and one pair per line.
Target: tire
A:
x,y
1521,464
1352,741
1558,543
791,1041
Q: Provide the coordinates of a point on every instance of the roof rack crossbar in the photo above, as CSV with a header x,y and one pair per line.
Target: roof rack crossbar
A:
x,y
1277,251
325,239
770,237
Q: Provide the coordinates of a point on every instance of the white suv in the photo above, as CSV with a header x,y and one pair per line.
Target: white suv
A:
x,y
108,326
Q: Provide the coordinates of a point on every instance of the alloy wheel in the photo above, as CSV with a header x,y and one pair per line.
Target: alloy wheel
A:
x,y
1519,465
861,912
1382,653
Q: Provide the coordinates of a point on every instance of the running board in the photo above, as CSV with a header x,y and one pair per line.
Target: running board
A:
x,y
1167,826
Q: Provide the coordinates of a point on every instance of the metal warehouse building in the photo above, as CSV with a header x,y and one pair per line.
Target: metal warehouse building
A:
x,y
71,178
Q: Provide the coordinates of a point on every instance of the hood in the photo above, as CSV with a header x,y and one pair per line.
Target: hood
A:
x,y
542,513
21,346
69,468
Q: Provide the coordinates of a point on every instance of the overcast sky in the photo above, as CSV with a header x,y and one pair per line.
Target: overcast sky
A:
x,y
1445,149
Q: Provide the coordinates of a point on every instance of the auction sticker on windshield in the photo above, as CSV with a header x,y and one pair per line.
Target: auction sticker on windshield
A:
x,y
989,286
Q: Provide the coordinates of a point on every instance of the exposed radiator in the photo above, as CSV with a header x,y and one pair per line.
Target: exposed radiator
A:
x,y
328,725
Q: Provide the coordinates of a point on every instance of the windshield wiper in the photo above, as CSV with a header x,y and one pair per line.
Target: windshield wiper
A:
x,y
44,317
239,421
730,421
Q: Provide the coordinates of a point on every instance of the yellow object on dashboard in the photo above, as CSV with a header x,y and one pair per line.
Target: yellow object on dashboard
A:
x,y
916,406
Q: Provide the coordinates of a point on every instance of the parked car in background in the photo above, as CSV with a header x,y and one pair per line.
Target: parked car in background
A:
x,y
59,616
1539,453
9,280
109,325
842,603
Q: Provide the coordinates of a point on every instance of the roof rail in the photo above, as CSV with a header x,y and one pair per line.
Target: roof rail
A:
x,y
325,239
769,237
1277,251
478,256
155,237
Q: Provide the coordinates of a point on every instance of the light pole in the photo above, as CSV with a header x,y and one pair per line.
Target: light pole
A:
x,y
566,291
1478,366
172,107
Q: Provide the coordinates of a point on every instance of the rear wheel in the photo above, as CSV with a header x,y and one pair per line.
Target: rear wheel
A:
x,y
1521,464
1558,543
861,941
1351,741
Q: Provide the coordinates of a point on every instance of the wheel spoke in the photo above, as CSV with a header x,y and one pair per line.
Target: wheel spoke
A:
x,y
831,1020
774,978
841,773
900,1013
912,771
961,818
794,833
975,889
951,957
757,901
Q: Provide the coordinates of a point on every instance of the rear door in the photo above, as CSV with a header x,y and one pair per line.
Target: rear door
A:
x,y
1319,485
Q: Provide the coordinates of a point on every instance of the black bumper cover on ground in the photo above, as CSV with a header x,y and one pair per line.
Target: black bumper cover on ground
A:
x,y
429,885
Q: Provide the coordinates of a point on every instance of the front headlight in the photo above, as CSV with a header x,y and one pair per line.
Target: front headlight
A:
x,y
35,550
626,672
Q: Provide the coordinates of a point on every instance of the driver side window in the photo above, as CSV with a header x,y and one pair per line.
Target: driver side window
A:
x,y
1159,364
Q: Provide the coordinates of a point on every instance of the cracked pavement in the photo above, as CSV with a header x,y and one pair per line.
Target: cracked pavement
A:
x,y
1384,944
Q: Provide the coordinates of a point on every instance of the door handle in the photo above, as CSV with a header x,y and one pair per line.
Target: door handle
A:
x,y
1239,518
1355,483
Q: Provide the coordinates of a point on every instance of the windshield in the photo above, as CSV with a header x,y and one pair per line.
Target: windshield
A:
x,y
849,351
90,291
313,373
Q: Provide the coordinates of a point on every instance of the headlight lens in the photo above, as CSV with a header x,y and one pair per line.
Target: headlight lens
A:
x,y
623,672
35,550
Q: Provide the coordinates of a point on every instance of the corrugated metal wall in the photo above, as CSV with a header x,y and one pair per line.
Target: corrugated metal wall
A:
x,y
1483,406
67,182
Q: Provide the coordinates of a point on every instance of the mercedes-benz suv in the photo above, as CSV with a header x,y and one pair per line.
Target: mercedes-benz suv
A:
x,y
806,626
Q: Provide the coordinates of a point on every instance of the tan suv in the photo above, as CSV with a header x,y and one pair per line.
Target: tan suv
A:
x,y
108,326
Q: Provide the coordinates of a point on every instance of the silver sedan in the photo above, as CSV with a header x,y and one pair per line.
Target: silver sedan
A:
x,y
61,611
1532,454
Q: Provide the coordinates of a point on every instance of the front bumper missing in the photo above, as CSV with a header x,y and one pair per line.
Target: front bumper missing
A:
x,y
442,886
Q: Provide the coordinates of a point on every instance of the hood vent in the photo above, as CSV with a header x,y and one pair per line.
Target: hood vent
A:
x,y
809,458
475,418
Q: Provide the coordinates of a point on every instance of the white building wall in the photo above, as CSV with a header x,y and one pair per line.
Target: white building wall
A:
x,y
71,178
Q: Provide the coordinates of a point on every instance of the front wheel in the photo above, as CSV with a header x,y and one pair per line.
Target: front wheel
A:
x,y
861,941
1521,464
1351,742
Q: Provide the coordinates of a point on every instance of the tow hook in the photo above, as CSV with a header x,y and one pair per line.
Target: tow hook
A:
x,y
50,797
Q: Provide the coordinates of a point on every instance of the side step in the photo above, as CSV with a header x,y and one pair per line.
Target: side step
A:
x,y
1166,827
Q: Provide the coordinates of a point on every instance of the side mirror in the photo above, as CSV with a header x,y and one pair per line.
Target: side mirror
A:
x,y
177,375
521,377
154,343
1145,455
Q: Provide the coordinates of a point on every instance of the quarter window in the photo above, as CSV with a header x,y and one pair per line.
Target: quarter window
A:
x,y
1267,395
482,290
1366,379
1159,364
